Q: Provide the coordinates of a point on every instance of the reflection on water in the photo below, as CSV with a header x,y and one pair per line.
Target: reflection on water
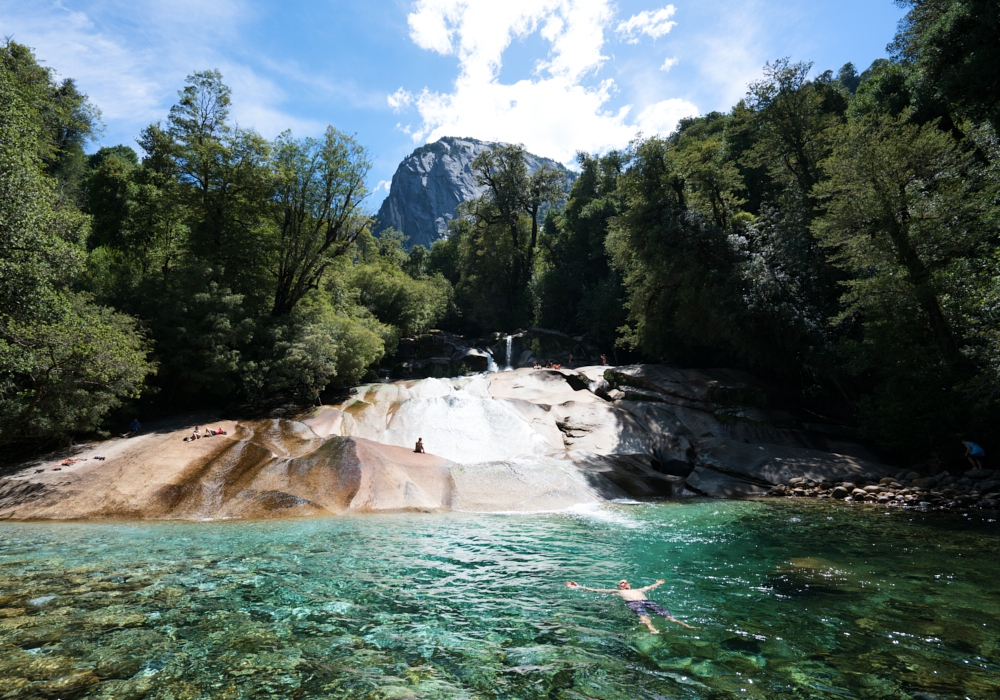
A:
x,y
792,601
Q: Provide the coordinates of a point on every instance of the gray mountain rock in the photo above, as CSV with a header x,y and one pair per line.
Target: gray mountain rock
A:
x,y
432,181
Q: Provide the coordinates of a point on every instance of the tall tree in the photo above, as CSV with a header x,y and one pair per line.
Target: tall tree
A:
x,y
317,210
67,119
225,176
64,362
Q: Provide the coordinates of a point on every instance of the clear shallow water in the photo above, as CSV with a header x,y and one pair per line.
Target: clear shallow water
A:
x,y
896,605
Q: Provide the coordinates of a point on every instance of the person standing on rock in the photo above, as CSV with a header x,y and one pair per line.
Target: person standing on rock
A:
x,y
974,453
419,449
637,602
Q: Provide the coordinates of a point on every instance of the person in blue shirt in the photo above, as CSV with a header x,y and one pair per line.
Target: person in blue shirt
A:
x,y
974,453
133,428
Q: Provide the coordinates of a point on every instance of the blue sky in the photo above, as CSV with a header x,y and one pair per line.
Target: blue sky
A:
x,y
556,75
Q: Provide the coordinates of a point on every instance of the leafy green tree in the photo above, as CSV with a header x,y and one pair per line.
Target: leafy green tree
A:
x,y
223,183
39,242
66,119
317,213
794,117
677,268
952,46
63,374
409,304
496,246
64,362
905,217
576,290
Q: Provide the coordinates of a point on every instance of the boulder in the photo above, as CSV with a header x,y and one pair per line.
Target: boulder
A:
x,y
840,492
989,486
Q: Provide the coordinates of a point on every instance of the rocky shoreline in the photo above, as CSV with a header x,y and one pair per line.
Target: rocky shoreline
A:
x,y
976,488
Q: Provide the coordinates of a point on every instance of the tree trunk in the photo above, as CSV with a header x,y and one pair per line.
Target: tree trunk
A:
x,y
920,277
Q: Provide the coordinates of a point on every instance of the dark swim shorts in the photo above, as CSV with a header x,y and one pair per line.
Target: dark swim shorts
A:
x,y
646,607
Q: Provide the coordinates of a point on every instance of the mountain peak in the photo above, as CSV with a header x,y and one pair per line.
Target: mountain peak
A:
x,y
432,181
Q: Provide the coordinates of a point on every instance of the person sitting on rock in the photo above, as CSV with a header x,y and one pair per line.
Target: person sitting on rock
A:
x,y
974,453
637,602
419,449
133,428
196,435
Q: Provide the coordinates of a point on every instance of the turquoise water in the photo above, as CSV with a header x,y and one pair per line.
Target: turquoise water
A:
x,y
880,605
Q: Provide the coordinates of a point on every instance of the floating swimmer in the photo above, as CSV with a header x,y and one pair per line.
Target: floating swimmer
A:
x,y
637,602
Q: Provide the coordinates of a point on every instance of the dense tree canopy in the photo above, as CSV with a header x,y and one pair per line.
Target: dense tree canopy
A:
x,y
838,232
216,267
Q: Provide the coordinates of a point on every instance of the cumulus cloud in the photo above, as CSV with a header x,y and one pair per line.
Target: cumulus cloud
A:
x,y
653,24
668,64
562,108
662,117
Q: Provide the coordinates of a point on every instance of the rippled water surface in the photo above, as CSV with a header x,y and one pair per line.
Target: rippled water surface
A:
x,y
791,600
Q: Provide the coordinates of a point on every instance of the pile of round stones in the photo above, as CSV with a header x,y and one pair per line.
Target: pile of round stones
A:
x,y
977,488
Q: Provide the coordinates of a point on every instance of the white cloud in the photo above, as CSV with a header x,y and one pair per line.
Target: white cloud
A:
x,y
668,64
662,117
399,99
561,109
131,57
654,24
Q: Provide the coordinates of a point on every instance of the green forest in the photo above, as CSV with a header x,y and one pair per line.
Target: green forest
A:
x,y
835,232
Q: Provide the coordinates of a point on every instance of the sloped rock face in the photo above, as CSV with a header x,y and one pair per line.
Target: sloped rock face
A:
x,y
431,182
522,440
718,429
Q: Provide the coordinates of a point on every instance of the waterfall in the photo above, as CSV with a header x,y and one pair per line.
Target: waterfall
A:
x,y
492,366
510,340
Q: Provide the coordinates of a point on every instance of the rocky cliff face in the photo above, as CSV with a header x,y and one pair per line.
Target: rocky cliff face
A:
x,y
431,182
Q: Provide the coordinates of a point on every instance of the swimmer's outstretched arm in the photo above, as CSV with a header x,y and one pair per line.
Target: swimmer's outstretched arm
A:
x,y
651,586
574,584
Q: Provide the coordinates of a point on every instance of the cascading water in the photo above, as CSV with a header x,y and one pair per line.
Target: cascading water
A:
x,y
510,342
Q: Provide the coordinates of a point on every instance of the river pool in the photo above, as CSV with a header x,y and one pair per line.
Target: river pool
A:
x,y
792,600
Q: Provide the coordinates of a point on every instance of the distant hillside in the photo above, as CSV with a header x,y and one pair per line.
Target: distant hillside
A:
x,y
432,181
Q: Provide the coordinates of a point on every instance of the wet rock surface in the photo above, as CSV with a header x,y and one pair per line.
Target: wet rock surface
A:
x,y
521,440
